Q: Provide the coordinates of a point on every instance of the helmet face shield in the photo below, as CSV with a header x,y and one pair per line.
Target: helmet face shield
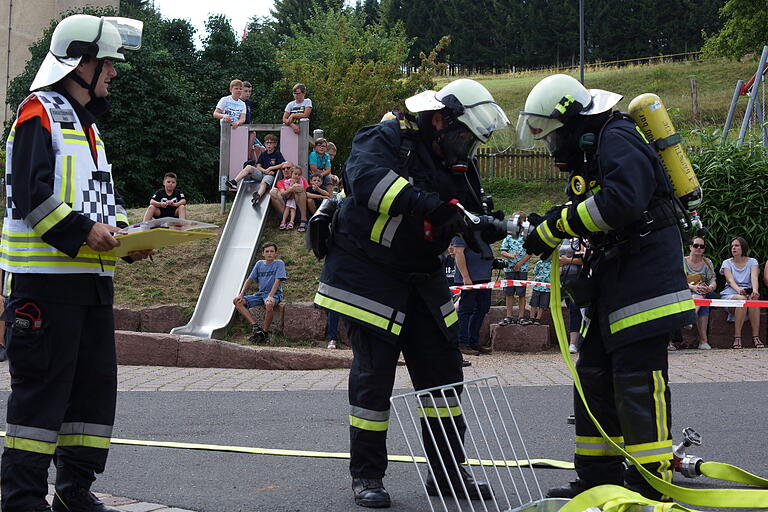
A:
x,y
533,127
128,29
484,118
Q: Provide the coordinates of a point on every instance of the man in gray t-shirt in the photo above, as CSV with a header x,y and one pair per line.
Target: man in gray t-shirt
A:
x,y
474,304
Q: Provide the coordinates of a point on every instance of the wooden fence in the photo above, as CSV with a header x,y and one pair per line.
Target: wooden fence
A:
x,y
520,165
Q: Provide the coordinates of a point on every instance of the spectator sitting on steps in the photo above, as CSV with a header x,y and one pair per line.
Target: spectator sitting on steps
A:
x,y
268,274
286,190
701,281
741,282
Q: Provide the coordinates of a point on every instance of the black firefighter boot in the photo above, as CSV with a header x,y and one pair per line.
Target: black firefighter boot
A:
x,y
440,485
70,496
370,492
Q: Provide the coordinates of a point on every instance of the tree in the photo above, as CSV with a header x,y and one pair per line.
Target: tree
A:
x,y
292,16
353,73
745,29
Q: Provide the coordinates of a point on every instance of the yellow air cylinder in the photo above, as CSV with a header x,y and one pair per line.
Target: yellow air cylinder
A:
x,y
651,117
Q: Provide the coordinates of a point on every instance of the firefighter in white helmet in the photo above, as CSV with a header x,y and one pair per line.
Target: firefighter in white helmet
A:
x,y
632,283
57,233
383,272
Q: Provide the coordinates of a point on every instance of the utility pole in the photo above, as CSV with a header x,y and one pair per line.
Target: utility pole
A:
x,y
581,41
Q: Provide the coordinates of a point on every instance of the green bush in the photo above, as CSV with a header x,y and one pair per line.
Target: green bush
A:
x,y
733,179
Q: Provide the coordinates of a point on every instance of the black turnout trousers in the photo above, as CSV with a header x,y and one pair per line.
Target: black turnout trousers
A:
x,y
432,360
63,392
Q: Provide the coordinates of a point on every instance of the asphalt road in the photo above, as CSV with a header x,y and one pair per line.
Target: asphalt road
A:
x,y
732,417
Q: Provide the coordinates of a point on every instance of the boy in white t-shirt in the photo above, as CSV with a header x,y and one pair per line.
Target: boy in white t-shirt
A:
x,y
299,108
232,108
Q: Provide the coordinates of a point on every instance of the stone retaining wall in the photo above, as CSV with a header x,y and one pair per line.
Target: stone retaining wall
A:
x,y
303,321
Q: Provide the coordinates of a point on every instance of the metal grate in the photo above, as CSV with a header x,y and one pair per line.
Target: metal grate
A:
x,y
493,450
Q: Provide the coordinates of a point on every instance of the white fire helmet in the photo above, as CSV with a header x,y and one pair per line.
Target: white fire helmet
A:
x,y
470,101
81,34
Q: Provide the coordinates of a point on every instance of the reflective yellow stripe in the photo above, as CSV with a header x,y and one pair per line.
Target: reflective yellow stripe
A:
x,y
546,235
121,217
68,179
84,440
439,412
581,210
652,314
660,404
53,218
74,137
564,222
11,134
375,426
451,318
392,192
355,312
597,446
30,445
647,453
378,227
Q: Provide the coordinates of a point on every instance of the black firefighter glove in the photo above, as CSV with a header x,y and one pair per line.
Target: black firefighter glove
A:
x,y
442,219
547,234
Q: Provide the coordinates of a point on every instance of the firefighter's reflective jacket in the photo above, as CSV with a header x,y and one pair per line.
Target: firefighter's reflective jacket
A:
x,y
46,220
641,288
377,253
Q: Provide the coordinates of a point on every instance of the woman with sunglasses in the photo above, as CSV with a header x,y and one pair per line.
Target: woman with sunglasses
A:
x,y
702,283
741,282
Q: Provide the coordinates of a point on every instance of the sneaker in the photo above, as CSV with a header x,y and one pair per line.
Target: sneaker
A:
x,y
257,334
508,320
573,349
525,321
255,199
671,347
705,346
465,363
232,183
535,321
331,344
470,351
483,349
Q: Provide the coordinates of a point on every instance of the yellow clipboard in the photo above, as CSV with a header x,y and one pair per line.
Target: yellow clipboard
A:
x,y
155,239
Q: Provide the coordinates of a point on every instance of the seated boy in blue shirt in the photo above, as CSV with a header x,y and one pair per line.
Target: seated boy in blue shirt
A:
x,y
320,162
264,169
268,274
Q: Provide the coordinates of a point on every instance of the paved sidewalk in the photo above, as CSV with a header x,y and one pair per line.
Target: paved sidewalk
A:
x,y
125,504
513,369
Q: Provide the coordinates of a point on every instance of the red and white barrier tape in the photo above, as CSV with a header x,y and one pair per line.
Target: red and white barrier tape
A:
x,y
496,284
716,303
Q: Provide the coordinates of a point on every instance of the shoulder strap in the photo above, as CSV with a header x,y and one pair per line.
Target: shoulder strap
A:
x,y
409,130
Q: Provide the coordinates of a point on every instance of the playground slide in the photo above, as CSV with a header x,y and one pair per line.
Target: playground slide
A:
x,y
230,264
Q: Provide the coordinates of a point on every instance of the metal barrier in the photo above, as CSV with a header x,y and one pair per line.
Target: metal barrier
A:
x,y
494,450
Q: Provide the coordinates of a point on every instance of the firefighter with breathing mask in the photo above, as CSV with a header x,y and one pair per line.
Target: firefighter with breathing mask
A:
x,y
62,211
403,179
632,282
